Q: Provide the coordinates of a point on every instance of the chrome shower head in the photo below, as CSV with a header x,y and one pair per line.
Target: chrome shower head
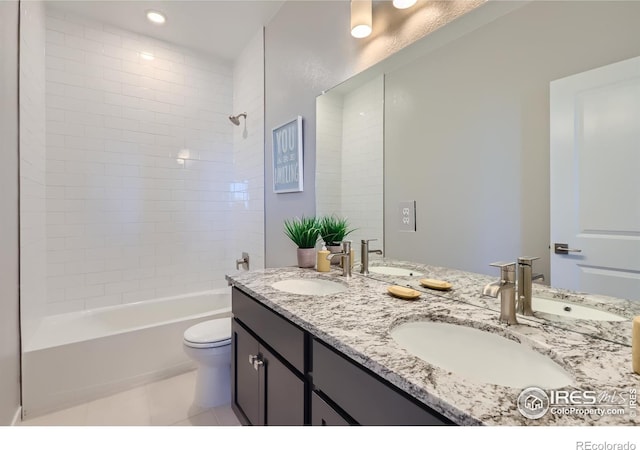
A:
x,y
236,119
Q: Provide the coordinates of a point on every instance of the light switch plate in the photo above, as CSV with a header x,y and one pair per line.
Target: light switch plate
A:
x,y
407,216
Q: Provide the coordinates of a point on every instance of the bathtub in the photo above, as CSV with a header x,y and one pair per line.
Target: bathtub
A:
x,y
77,357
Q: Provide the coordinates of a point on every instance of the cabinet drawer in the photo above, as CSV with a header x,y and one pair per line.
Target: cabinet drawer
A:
x,y
364,396
322,414
280,334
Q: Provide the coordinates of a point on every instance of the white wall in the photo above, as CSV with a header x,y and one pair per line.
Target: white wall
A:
x,y
9,293
248,154
139,166
467,131
33,233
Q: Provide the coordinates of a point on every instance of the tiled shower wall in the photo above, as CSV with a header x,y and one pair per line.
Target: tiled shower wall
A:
x,y
33,234
139,167
248,153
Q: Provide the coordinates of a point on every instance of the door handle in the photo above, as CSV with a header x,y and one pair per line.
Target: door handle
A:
x,y
563,249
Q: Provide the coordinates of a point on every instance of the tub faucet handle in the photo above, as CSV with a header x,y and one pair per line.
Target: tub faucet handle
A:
x,y
244,261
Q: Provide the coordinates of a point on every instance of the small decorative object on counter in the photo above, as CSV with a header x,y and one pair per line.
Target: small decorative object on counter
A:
x,y
304,233
323,264
635,345
333,231
435,284
403,292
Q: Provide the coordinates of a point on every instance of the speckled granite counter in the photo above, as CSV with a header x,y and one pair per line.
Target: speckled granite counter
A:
x,y
467,287
357,323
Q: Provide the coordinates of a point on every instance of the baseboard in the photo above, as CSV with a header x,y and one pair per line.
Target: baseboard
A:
x,y
17,417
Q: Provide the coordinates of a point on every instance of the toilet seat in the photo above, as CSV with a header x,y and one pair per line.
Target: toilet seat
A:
x,y
209,334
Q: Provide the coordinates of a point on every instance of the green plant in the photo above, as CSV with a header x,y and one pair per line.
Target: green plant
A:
x,y
303,232
333,229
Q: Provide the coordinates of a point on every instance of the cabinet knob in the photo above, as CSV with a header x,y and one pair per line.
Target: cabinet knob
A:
x,y
257,363
252,358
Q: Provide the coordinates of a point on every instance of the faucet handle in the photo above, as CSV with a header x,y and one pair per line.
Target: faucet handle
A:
x,y
346,246
366,241
527,259
507,270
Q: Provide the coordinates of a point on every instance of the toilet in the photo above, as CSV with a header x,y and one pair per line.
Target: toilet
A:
x,y
209,345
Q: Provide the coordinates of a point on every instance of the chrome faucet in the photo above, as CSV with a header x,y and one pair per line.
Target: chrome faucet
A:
x,y
525,278
345,258
506,289
364,255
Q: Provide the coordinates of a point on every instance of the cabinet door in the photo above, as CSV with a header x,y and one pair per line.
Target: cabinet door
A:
x,y
283,392
246,379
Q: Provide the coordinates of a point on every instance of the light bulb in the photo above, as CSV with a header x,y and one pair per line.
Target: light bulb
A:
x,y
361,18
403,4
156,17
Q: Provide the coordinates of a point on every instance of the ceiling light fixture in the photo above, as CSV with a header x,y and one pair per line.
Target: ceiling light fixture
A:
x,y
147,55
404,4
360,18
156,17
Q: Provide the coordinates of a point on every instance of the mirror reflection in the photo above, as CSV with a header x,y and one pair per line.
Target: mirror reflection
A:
x,y
469,128
349,158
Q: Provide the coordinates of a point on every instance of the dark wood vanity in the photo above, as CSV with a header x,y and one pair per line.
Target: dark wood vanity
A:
x,y
283,375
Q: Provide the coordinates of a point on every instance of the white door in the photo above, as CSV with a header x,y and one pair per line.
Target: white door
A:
x,y
595,180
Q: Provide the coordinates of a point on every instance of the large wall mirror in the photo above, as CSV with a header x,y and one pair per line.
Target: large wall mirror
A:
x,y
467,134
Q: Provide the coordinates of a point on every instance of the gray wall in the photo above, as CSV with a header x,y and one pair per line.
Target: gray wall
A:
x,y
467,131
308,49
9,309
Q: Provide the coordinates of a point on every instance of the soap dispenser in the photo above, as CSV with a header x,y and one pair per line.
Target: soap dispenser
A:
x,y
323,264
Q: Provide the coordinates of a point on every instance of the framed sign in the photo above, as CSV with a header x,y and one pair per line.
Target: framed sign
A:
x,y
287,157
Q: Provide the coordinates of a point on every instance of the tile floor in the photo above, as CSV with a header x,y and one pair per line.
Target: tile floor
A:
x,y
165,402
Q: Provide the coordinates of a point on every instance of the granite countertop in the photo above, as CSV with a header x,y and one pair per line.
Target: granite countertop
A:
x,y
357,323
468,286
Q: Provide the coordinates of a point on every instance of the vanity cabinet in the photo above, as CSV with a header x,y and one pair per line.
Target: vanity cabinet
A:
x,y
282,375
267,388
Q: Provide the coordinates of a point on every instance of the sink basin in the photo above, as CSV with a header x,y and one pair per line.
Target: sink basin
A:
x,y
479,355
396,271
572,310
303,286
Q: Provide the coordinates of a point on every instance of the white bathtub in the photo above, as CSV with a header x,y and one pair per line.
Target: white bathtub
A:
x,y
77,357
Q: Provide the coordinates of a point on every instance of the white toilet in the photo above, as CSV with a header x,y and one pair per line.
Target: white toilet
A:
x,y
209,345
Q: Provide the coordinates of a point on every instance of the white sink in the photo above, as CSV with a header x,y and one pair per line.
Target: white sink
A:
x,y
313,286
479,355
572,310
396,271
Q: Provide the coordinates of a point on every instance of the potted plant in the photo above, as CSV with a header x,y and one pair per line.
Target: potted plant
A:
x,y
304,233
333,230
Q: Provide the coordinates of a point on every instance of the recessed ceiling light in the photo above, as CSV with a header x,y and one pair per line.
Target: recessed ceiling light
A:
x,y
156,17
403,4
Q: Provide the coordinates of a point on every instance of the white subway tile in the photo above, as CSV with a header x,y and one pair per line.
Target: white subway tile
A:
x,y
84,292
64,281
55,37
103,36
65,52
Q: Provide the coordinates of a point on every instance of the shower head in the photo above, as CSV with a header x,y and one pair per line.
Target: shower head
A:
x,y
236,119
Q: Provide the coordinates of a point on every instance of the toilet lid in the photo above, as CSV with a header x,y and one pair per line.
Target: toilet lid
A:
x,y
210,332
